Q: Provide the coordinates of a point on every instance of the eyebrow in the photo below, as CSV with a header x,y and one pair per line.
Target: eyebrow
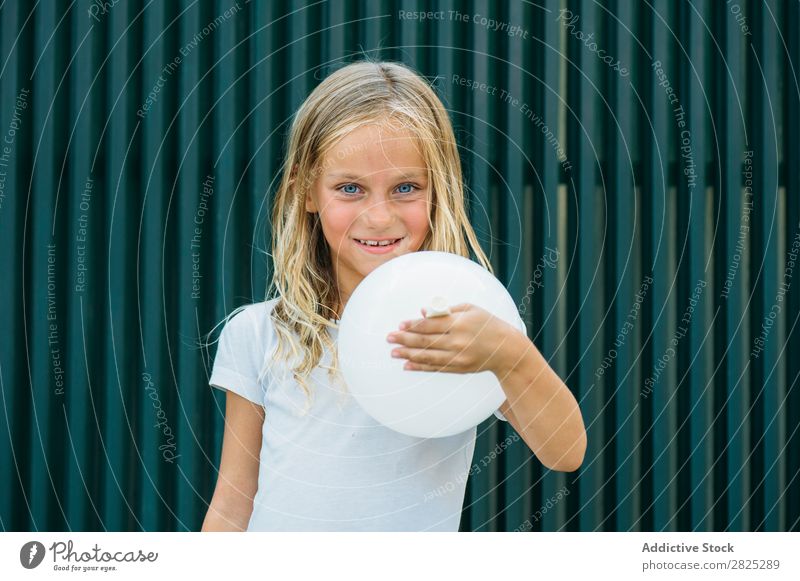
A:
x,y
348,176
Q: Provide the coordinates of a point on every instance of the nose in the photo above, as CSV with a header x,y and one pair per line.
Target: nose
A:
x,y
379,213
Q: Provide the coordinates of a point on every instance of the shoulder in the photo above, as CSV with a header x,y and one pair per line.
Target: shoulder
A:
x,y
247,339
242,361
253,321
260,312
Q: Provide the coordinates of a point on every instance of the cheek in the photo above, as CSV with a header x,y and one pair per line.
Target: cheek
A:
x,y
336,220
416,220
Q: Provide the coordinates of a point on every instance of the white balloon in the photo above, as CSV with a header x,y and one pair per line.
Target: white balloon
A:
x,y
418,403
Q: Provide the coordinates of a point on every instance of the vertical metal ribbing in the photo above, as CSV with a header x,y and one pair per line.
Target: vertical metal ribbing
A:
x,y
333,34
694,318
660,504
625,278
373,28
299,81
80,253
45,309
159,47
15,436
193,164
584,254
731,349
449,53
121,354
769,387
761,270
410,37
791,161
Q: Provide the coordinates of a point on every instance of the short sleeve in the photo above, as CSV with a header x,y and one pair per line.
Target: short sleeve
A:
x,y
523,329
240,356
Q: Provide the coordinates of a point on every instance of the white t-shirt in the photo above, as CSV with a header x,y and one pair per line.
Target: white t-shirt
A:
x,y
335,468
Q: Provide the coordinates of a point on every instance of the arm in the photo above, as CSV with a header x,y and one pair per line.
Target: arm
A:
x,y
237,482
539,405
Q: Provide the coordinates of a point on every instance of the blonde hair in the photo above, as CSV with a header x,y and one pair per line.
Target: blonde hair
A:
x,y
361,93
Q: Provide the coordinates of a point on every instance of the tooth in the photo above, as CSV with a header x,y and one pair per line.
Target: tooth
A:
x,y
377,243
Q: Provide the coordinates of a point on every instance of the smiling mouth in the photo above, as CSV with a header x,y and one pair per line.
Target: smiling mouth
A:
x,y
378,247
377,243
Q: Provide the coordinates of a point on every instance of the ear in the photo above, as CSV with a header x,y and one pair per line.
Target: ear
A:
x,y
309,201
311,207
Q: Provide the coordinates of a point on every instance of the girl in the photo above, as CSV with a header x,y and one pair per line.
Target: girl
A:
x,y
375,174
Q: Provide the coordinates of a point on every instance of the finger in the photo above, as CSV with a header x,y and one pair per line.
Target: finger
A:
x,y
442,360
432,325
411,366
423,340
428,356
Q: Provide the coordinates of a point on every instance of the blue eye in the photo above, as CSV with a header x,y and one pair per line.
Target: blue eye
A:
x,y
352,189
407,186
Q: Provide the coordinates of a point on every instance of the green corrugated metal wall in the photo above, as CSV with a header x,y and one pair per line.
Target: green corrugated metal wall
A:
x,y
101,189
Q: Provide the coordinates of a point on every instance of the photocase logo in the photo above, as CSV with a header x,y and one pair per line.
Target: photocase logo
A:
x,y
31,554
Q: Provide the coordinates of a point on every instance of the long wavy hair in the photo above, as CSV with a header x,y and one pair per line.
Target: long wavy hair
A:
x,y
363,92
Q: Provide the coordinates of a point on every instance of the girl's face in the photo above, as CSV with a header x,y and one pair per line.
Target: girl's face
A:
x,y
372,186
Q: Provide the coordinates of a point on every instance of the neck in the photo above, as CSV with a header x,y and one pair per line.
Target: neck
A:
x,y
344,290
340,308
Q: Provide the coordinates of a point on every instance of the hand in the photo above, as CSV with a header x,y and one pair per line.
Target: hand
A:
x,y
468,340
